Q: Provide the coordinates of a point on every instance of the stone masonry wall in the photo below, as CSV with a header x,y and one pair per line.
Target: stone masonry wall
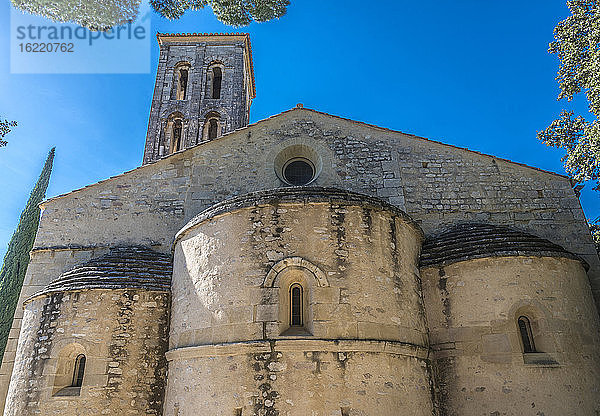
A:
x,y
362,349
123,334
232,106
287,378
44,266
368,257
434,183
472,311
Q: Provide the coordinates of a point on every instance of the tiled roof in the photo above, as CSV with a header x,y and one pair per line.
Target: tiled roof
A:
x,y
121,268
474,241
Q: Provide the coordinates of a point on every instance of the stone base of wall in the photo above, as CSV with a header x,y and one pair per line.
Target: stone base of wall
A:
x,y
299,377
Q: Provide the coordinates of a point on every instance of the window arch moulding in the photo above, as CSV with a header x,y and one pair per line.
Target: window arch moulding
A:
x,y
299,262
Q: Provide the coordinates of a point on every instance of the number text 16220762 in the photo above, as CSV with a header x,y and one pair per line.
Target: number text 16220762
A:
x,y
46,47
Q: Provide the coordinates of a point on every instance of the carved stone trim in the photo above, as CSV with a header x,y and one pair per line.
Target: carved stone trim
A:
x,y
283,264
330,345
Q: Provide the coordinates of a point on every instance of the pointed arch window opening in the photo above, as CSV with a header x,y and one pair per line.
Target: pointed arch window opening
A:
x,y
78,371
296,303
526,334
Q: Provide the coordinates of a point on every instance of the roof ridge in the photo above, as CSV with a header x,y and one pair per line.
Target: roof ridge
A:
x,y
426,139
317,112
204,34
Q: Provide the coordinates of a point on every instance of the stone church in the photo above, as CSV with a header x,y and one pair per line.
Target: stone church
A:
x,y
305,264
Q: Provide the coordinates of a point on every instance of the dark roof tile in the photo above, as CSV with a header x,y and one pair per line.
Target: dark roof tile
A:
x,y
121,268
473,241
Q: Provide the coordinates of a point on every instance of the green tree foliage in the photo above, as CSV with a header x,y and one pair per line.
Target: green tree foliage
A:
x,y
595,230
103,15
5,127
230,12
174,9
95,15
17,256
577,45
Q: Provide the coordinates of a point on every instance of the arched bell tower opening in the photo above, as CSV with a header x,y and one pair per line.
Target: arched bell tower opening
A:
x,y
215,80
179,87
197,73
213,126
172,137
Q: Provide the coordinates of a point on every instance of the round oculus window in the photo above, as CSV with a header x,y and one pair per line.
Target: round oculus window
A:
x,y
298,171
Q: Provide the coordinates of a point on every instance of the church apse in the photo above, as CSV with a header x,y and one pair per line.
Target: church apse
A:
x,y
95,338
308,298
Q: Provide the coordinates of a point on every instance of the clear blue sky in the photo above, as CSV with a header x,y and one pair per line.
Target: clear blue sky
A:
x,y
469,73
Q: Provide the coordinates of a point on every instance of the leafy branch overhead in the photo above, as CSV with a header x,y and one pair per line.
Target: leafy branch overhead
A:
x,y
95,15
577,45
5,128
581,140
230,12
595,230
103,15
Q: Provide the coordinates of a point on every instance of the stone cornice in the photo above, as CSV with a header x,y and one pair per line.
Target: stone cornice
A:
x,y
299,344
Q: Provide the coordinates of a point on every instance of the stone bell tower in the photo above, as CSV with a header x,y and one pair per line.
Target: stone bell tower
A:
x,y
204,88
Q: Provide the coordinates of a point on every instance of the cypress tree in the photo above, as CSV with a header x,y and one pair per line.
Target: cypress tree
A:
x,y
17,256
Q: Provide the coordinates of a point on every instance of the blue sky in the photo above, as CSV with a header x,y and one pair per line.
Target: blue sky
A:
x,y
469,73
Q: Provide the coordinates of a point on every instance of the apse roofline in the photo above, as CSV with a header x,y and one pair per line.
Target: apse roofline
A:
x,y
466,241
295,195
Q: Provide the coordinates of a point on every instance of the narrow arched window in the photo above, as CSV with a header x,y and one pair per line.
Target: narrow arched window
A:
x,y
296,305
217,77
526,334
213,128
183,81
181,75
78,371
176,137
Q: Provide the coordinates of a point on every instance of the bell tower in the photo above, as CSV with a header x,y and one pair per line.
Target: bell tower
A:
x,y
204,88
